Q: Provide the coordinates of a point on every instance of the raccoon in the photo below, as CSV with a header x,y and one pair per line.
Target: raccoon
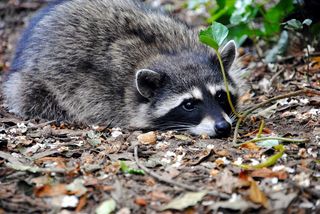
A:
x,y
119,63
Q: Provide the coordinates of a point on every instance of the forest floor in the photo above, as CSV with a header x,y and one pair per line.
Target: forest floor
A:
x,y
55,167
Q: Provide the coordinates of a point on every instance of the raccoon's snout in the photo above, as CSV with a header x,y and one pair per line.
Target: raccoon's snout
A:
x,y
223,128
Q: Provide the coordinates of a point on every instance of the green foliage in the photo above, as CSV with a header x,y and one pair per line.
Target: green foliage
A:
x,y
296,25
248,18
125,169
214,35
279,48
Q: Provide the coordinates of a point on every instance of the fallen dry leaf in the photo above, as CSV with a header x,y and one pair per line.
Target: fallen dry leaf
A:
x,y
222,153
51,190
159,196
184,201
251,146
268,173
264,131
147,138
59,162
214,172
82,203
141,201
256,195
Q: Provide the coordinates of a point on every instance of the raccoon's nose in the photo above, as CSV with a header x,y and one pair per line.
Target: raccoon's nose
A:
x,y
223,128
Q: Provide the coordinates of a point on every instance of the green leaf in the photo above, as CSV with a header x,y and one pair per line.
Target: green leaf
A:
x,y
106,207
244,12
268,143
307,22
293,24
125,169
214,35
223,11
123,166
193,4
279,48
274,16
241,32
187,200
279,11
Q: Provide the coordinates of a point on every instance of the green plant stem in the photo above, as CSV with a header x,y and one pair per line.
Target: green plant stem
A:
x,y
236,130
226,85
284,139
252,109
262,123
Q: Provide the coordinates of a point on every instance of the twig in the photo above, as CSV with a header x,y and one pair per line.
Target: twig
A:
x,y
41,125
273,78
170,181
159,177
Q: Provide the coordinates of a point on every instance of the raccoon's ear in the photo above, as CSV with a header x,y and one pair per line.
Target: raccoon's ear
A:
x,y
228,54
147,81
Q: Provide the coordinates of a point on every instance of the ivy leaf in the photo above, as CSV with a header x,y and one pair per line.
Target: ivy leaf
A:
x,y
293,24
214,35
125,169
307,22
244,11
279,48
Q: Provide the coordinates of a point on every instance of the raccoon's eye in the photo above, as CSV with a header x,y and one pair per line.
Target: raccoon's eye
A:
x,y
188,106
222,98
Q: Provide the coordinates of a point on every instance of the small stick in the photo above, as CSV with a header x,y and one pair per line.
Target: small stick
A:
x,y
159,177
170,181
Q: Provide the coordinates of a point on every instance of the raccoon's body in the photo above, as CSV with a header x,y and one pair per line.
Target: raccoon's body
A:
x,y
118,63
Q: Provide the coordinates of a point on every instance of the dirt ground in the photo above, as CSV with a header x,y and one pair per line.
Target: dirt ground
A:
x,y
56,167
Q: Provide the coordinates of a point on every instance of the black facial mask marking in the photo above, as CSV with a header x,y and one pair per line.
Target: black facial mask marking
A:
x,y
192,111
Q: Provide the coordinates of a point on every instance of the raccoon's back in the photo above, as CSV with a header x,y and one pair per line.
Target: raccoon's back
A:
x,y
78,58
119,32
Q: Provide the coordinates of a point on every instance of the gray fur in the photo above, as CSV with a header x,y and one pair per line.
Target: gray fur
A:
x,y
79,62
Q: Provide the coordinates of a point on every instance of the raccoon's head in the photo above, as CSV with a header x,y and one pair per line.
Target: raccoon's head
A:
x,y
186,92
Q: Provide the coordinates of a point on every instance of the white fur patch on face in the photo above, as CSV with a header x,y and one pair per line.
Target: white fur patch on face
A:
x,y
206,126
214,88
196,93
176,100
171,103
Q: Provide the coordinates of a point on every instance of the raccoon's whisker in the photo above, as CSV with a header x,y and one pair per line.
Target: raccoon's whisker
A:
x,y
176,123
233,118
174,127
